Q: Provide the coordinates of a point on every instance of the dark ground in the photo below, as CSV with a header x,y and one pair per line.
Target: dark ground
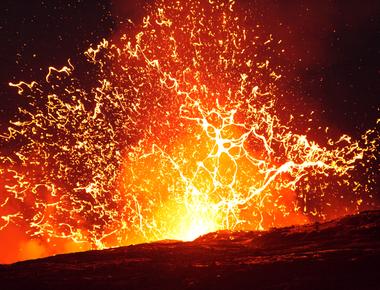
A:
x,y
341,254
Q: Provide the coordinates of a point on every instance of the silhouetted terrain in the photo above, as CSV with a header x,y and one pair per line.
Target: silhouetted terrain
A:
x,y
341,254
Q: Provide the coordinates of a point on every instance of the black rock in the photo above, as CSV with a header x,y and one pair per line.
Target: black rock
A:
x,y
340,254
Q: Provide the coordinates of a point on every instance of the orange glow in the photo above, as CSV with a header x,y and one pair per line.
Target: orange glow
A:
x,y
181,136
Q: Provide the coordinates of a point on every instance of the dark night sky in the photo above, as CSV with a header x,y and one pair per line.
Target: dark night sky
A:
x,y
333,53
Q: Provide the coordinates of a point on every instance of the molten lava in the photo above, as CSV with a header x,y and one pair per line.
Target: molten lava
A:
x,y
180,136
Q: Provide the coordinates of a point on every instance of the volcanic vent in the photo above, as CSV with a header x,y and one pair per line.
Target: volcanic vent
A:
x,y
180,134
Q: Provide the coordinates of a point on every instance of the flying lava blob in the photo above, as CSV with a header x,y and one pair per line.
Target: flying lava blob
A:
x,y
180,135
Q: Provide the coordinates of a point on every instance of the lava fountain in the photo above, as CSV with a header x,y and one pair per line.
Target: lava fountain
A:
x,y
180,135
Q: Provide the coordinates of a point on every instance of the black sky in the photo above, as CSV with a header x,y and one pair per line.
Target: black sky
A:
x,y
332,48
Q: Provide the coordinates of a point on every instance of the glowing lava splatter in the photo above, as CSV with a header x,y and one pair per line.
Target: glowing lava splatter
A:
x,y
180,136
